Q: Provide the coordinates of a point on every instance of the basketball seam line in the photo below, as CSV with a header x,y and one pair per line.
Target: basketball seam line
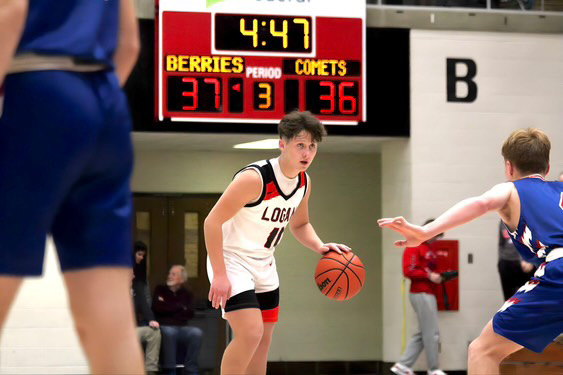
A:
x,y
331,269
355,274
336,260
355,265
350,268
346,266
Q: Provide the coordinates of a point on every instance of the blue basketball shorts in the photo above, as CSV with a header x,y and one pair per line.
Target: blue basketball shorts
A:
x,y
65,166
533,317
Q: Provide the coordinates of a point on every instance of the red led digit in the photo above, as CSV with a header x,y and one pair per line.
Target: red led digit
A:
x,y
192,94
215,82
329,97
346,98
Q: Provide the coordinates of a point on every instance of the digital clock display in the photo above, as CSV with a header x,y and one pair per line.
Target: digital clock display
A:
x,y
238,32
253,62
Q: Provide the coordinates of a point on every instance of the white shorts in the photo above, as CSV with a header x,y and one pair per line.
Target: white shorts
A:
x,y
254,284
246,273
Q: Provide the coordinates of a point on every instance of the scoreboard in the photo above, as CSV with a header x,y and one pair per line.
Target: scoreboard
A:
x,y
253,61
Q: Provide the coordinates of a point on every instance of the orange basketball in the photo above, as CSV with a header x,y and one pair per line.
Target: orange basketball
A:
x,y
340,276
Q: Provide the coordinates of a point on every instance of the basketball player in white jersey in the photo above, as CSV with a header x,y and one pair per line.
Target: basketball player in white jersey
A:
x,y
242,231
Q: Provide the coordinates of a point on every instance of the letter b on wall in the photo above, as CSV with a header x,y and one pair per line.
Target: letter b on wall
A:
x,y
452,79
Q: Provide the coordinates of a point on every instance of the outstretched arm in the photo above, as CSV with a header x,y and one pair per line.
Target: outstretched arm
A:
x,y
305,233
465,211
245,188
13,14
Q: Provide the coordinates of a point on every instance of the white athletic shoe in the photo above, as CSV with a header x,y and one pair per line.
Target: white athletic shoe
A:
x,y
436,372
400,369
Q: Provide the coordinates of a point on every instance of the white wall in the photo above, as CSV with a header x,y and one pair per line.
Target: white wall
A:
x,y
343,208
455,153
396,200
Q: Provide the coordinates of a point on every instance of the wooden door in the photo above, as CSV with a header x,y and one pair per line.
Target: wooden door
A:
x,y
172,228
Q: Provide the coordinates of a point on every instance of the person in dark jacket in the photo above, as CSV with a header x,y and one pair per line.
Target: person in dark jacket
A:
x,y
173,306
140,252
147,326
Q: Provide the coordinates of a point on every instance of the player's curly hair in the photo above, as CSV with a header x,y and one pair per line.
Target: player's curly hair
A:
x,y
295,122
528,150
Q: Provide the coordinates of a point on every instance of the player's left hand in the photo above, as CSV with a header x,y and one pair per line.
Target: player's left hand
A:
x,y
414,234
339,248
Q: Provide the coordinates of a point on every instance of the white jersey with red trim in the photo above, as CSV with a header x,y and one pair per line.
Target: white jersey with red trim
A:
x,y
259,226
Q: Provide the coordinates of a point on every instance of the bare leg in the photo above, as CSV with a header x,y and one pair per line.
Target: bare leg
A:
x,y
101,304
248,329
259,361
9,287
488,350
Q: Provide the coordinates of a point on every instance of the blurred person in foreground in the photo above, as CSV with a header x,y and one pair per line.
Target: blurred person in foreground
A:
x,y
66,161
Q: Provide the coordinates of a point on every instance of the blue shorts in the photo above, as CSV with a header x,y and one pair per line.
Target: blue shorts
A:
x,y
533,317
65,166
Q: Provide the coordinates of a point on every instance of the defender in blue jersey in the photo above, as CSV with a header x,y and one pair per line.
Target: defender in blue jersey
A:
x,y
532,210
66,161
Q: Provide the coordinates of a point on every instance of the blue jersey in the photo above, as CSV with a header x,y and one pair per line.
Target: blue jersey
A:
x,y
84,29
540,228
533,317
78,142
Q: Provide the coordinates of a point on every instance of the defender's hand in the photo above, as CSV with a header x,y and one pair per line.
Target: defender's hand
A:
x,y
414,234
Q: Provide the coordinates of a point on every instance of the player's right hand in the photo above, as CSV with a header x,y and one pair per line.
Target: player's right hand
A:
x,y
220,291
331,246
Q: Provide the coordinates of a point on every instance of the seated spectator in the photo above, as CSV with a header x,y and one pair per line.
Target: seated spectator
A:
x,y
173,306
140,267
147,326
140,261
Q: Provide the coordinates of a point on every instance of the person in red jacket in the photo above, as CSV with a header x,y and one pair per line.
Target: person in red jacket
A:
x,y
419,265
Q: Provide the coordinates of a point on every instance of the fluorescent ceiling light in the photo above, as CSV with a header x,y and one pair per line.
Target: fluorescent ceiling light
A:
x,y
265,144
